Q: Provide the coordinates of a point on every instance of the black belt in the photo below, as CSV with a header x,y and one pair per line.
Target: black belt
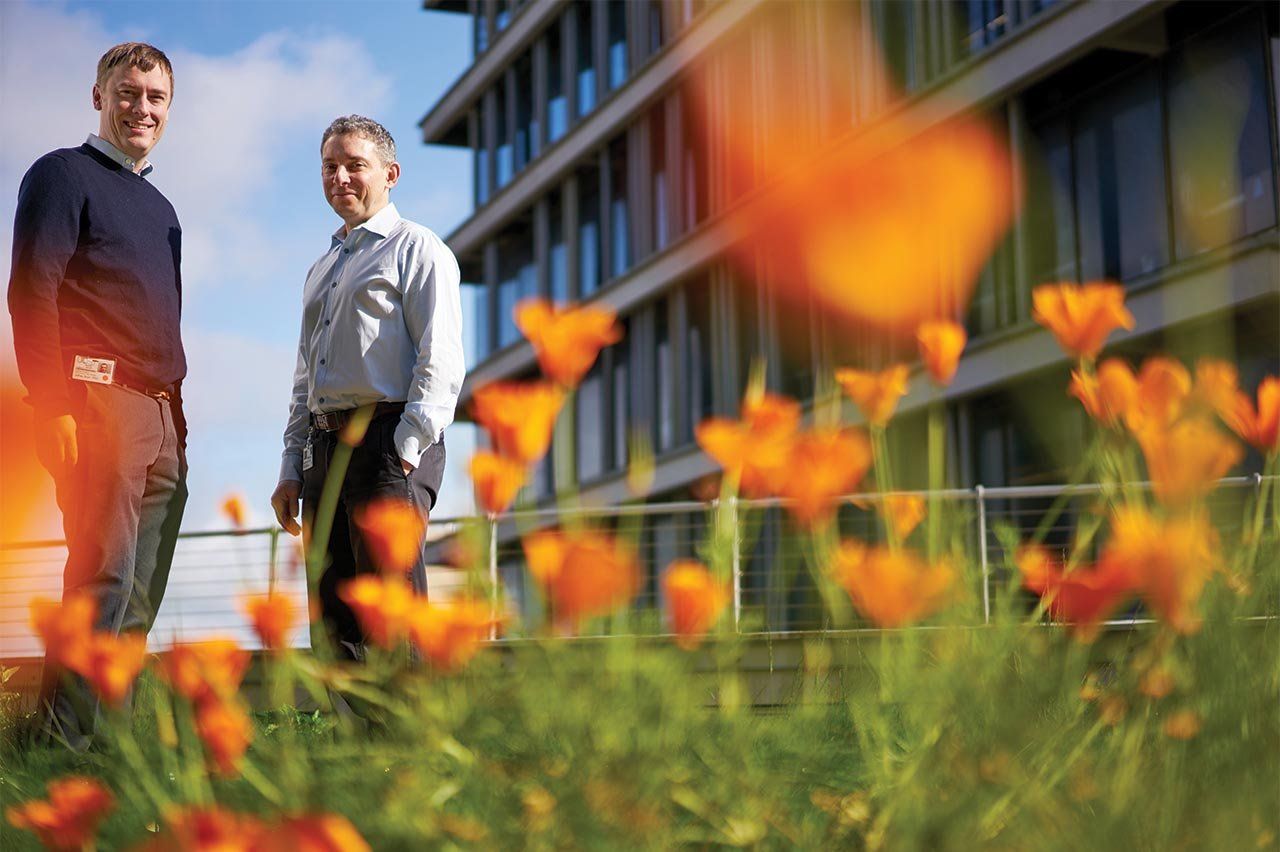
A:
x,y
163,393
332,421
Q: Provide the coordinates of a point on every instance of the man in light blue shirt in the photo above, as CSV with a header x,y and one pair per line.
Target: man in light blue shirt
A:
x,y
381,327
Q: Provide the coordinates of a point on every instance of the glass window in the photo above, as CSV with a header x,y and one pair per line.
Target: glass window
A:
x,y
982,22
503,17
1219,137
620,387
526,135
664,392
589,238
475,311
795,336
619,216
517,279
657,34
590,419
557,102
658,177
893,24
504,152
557,253
694,175
618,63
586,60
480,161
697,366
1120,181
1048,220
481,30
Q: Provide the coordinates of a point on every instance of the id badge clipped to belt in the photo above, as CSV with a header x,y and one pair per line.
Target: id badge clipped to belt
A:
x,y
308,455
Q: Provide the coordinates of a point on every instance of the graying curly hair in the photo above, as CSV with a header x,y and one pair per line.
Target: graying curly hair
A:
x,y
366,128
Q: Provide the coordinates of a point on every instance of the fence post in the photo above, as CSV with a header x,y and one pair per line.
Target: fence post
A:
x,y
736,553
982,553
493,577
273,559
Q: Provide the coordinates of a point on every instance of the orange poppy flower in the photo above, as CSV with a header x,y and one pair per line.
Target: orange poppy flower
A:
x,y
1156,683
1164,387
892,589
941,344
1081,317
584,573
1183,725
202,671
272,616
904,511
313,833
207,830
1217,383
566,340
1107,395
114,663
497,480
1168,561
757,448
226,731
392,530
235,510
69,818
450,634
1258,426
875,394
1085,598
382,605
519,416
65,627
695,601
1186,460
824,464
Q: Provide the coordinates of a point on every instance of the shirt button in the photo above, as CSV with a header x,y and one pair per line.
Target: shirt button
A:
x,y
326,322
346,251
322,362
334,284
322,399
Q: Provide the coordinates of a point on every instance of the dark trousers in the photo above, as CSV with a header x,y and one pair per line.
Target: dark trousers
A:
x,y
374,472
121,508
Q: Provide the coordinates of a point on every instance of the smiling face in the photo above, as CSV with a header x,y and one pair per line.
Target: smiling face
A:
x,y
134,107
357,183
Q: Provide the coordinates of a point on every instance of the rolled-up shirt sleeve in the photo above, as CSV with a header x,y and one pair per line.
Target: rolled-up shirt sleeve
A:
x,y
295,430
433,318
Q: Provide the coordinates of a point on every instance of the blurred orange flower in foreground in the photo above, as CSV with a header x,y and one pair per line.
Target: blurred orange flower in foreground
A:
x,y
1081,316
823,465
497,480
519,416
1216,383
210,829
757,448
904,511
313,833
450,634
941,344
1186,460
273,616
235,510
566,340
695,601
1163,389
382,605
202,671
114,664
585,573
1083,597
69,818
392,530
875,394
891,589
226,731
1168,560
1107,395
1258,426
1183,725
65,627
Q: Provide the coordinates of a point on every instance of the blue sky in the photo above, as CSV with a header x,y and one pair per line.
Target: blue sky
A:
x,y
256,83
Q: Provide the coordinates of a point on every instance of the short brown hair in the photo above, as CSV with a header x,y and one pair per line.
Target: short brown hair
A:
x,y
134,54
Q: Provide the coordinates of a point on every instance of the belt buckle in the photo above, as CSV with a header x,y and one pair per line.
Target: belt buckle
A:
x,y
328,421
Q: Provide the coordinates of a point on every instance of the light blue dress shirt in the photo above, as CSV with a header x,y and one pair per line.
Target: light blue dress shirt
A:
x,y
102,146
381,322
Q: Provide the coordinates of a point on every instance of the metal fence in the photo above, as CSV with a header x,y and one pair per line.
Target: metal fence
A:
x,y
773,589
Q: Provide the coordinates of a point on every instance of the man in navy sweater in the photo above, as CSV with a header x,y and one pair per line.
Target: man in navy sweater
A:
x,y
95,295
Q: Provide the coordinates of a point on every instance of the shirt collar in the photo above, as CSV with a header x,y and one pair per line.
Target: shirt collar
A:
x,y
379,223
111,151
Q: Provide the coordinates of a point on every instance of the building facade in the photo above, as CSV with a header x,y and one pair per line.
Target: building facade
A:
x,y
1144,134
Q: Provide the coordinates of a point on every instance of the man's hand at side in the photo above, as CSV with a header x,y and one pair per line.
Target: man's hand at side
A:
x,y
56,445
284,500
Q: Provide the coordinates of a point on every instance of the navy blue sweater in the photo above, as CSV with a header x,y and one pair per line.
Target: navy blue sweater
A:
x,y
96,254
